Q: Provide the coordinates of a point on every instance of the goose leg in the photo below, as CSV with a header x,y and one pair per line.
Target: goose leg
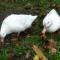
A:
x,y
15,37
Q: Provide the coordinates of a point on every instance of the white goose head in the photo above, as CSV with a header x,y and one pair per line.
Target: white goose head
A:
x,y
47,23
50,18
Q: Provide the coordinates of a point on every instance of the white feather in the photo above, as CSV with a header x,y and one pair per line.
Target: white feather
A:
x,y
16,23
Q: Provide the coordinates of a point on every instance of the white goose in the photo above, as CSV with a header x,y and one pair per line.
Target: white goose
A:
x,y
51,22
15,23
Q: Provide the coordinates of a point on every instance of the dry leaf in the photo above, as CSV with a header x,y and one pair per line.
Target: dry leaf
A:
x,y
49,44
39,53
53,51
36,57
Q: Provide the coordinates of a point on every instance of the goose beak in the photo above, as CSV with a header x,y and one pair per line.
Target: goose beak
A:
x,y
42,35
44,30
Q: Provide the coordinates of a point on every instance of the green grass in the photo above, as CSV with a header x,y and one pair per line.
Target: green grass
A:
x,y
29,7
24,47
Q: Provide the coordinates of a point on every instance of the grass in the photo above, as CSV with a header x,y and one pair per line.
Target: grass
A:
x,y
24,47
39,7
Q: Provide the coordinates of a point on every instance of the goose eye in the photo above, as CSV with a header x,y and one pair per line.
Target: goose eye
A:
x,y
48,23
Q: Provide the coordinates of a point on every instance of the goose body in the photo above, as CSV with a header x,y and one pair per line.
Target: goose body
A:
x,y
16,23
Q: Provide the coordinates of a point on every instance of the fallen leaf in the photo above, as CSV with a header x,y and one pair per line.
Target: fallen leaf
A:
x,y
53,51
39,53
36,57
